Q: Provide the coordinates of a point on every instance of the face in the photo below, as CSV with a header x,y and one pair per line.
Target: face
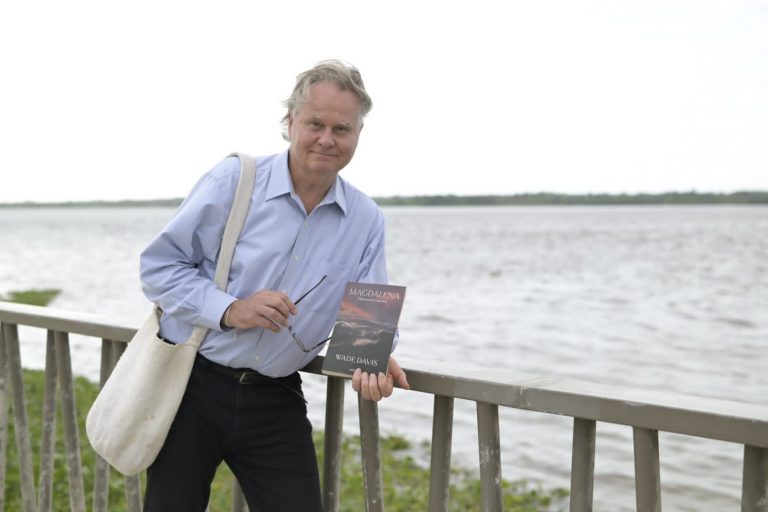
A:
x,y
324,132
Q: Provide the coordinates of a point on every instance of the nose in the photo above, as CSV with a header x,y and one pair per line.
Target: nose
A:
x,y
326,139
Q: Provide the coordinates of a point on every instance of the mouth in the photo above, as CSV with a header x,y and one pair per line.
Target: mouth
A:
x,y
324,155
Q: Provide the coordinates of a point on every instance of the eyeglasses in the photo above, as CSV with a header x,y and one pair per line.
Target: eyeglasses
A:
x,y
290,328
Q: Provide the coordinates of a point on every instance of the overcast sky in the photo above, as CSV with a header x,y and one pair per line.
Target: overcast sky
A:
x,y
133,100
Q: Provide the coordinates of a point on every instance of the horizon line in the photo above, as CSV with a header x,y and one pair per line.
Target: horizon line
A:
x,y
757,196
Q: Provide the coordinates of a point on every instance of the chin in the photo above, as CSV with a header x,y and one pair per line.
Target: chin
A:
x,y
327,166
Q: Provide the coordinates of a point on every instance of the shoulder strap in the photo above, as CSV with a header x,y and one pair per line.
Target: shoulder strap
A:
x,y
236,219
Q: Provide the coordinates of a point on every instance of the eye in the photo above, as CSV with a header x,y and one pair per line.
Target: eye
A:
x,y
315,125
341,129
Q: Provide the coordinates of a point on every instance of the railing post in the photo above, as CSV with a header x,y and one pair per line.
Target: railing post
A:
x,y
69,417
20,420
440,465
490,456
3,413
48,442
133,482
754,486
334,429
101,471
238,500
582,465
133,493
647,479
371,454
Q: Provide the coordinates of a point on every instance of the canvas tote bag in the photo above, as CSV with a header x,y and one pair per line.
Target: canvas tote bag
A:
x,y
130,418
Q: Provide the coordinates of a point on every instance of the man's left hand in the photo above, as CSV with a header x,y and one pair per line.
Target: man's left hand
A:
x,y
377,386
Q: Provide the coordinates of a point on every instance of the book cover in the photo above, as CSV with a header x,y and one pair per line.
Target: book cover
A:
x,y
365,329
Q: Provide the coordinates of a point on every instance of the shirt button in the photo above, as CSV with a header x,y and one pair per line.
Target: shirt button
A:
x,y
295,258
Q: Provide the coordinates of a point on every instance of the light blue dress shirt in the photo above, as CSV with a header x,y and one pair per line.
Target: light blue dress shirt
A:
x,y
281,248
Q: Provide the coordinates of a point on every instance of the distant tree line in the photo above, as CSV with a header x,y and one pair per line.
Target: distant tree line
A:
x,y
551,199
127,203
537,199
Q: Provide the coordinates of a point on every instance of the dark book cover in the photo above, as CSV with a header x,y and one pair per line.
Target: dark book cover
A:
x,y
365,329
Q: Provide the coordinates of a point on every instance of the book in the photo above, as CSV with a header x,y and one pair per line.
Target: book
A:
x,y
365,329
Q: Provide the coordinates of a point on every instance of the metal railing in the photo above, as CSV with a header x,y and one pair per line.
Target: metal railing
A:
x,y
647,412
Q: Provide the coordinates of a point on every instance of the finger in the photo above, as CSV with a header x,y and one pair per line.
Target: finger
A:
x,y
277,307
356,380
273,315
386,385
373,388
398,374
282,303
273,299
292,309
365,386
268,324
402,380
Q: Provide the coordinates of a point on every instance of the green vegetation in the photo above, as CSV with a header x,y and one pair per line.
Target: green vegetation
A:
x,y
550,199
406,482
531,199
32,297
127,203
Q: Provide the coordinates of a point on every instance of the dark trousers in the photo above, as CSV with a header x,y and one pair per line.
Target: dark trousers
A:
x,y
259,429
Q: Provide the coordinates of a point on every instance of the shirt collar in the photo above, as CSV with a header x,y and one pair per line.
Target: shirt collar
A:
x,y
280,184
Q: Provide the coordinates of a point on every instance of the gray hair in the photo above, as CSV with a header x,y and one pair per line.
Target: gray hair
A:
x,y
345,76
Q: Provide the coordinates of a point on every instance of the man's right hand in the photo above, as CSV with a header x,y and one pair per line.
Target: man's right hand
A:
x,y
267,309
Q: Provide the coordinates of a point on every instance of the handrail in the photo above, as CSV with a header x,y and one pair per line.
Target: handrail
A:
x,y
647,412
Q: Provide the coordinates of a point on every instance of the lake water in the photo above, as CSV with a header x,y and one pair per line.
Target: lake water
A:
x,y
668,298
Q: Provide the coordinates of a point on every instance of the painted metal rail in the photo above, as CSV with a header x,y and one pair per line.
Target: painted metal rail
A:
x,y
647,412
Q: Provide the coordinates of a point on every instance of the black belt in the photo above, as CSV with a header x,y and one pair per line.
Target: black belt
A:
x,y
241,375
247,376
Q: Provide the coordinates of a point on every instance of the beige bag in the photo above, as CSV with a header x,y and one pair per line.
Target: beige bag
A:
x,y
130,418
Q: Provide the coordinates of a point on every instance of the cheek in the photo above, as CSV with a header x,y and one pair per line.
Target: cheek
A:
x,y
303,141
350,146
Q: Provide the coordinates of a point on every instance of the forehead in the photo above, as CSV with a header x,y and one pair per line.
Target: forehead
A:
x,y
327,101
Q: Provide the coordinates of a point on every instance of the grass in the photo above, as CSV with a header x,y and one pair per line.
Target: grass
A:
x,y
32,297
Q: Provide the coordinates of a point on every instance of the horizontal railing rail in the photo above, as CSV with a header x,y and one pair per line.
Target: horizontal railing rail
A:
x,y
648,412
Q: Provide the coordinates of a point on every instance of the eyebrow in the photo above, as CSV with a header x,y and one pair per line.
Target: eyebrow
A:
x,y
320,120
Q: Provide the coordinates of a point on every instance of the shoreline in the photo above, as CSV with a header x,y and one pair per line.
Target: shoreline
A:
x,y
750,197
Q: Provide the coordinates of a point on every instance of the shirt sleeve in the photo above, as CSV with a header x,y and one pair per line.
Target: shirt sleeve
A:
x,y
178,267
373,263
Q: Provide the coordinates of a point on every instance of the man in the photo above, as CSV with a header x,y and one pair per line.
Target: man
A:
x,y
308,232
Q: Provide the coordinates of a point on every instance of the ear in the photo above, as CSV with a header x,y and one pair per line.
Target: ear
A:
x,y
289,126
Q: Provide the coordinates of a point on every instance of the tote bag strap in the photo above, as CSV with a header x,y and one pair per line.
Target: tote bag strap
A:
x,y
234,227
236,218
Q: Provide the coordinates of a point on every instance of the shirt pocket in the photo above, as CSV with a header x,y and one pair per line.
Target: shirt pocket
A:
x,y
331,291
